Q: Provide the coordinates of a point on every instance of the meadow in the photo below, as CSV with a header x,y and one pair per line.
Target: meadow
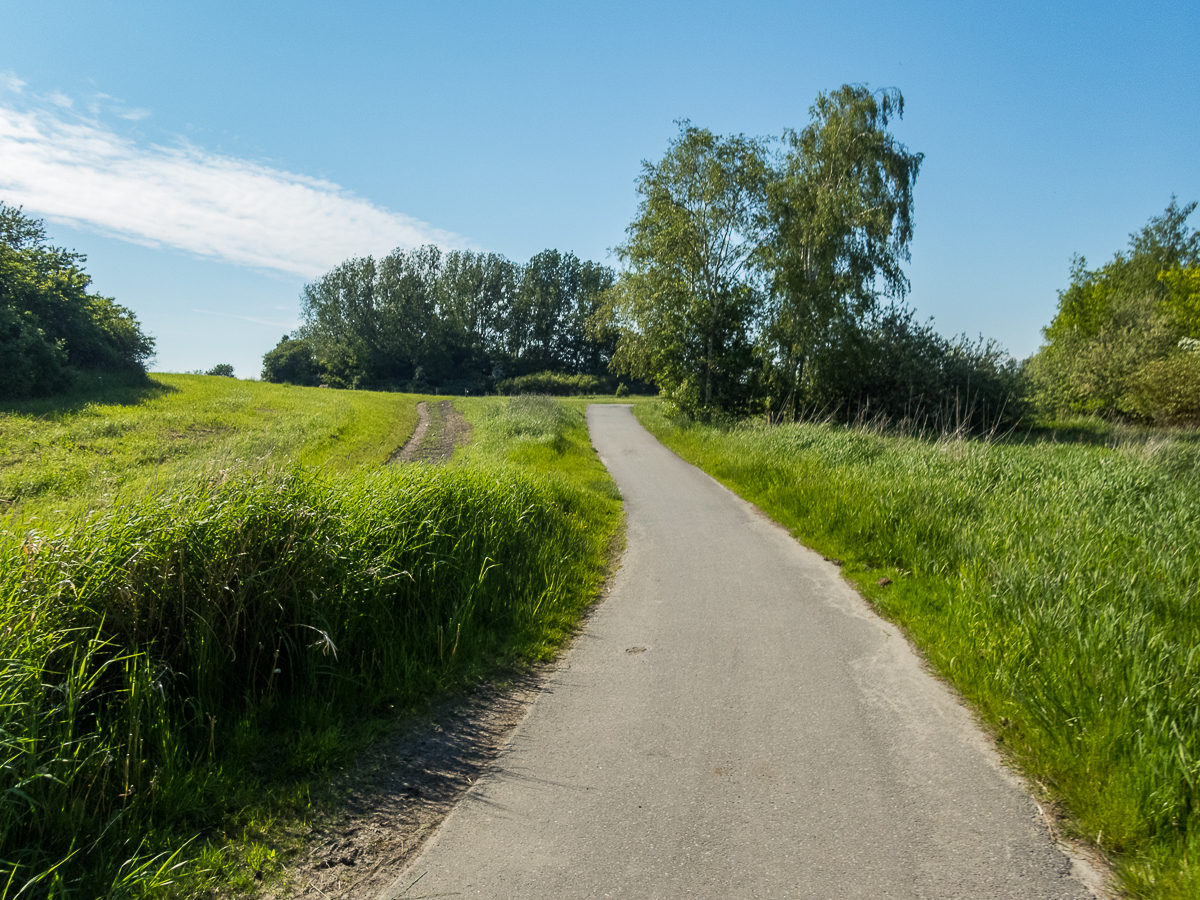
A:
x,y
1055,583
201,622
66,455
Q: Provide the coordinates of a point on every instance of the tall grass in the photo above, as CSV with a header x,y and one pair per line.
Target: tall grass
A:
x,y
1056,585
182,657
549,437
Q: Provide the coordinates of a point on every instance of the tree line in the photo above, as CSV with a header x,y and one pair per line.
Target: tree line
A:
x,y
759,275
457,321
52,329
1125,341
765,275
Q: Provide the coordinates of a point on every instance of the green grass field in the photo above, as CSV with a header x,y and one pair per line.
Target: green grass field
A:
x,y
65,456
191,638
1057,585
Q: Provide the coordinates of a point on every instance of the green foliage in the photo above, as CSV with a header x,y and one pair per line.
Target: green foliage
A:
x,y
1114,320
1166,391
753,279
33,364
179,665
553,383
889,366
50,326
685,306
1055,585
841,213
1162,244
1183,300
457,322
546,325
1078,372
224,370
291,362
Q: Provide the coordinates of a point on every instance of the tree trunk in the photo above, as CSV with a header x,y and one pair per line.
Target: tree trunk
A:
x,y
708,372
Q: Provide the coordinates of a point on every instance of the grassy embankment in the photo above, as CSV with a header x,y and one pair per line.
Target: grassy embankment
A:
x,y
1056,585
181,661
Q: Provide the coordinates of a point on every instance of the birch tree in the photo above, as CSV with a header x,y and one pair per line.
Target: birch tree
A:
x,y
840,206
686,302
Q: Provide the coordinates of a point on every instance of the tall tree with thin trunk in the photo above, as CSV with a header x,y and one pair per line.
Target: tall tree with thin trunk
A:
x,y
840,207
686,302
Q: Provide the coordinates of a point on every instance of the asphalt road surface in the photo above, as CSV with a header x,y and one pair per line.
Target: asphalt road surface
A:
x,y
736,723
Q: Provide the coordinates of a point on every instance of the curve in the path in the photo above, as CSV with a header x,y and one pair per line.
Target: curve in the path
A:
x,y
736,723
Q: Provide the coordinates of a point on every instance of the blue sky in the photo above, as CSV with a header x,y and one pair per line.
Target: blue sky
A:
x,y
209,158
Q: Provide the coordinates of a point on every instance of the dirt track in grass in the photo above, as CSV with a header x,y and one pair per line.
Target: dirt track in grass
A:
x,y
440,428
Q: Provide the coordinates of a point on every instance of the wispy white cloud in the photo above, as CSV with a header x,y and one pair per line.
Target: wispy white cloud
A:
x,y
61,100
274,323
76,170
102,104
10,82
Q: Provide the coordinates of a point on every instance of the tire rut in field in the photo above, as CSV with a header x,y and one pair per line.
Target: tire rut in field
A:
x,y
440,428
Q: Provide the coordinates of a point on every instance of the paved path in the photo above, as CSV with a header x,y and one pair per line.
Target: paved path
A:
x,y
735,723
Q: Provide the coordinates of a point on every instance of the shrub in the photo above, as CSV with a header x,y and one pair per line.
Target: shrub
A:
x,y
895,367
1082,372
33,364
292,362
1166,391
49,323
1183,301
1113,320
555,383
